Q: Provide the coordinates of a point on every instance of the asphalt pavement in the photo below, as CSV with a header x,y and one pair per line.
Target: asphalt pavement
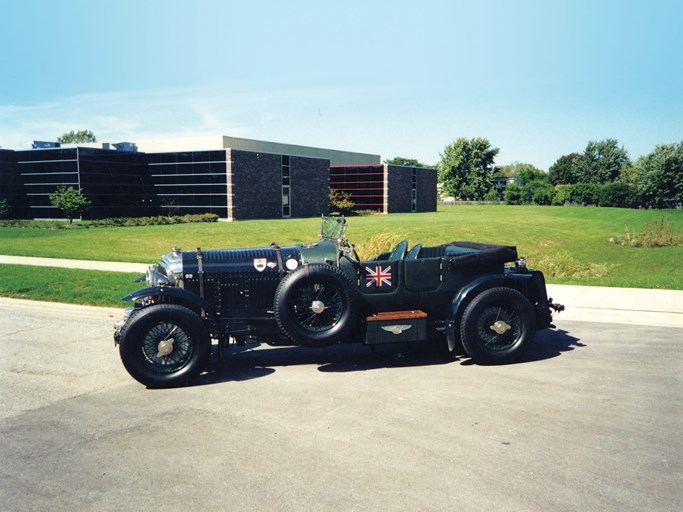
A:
x,y
590,419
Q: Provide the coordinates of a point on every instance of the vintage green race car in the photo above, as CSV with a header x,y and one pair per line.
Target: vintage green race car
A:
x,y
461,294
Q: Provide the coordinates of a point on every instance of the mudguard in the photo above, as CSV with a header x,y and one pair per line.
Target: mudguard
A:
x,y
467,293
178,296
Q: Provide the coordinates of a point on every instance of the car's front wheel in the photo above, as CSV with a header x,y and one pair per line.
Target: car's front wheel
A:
x,y
498,326
164,345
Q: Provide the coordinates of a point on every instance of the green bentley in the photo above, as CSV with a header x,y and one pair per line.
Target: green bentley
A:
x,y
478,298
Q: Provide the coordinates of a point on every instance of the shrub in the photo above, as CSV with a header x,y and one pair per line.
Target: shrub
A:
x,y
562,264
377,244
114,221
656,233
618,194
512,194
539,192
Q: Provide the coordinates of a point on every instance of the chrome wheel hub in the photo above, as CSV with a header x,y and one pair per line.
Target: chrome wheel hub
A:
x,y
317,307
500,327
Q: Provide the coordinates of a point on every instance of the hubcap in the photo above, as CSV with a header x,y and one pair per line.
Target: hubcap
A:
x,y
317,307
165,347
500,327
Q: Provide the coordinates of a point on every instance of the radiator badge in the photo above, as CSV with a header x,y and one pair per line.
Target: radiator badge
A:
x,y
396,329
260,264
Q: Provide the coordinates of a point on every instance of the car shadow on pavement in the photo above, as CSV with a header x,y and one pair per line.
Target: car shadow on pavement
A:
x,y
242,363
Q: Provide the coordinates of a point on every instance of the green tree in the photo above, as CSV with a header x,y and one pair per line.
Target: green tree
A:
x,y
4,207
405,162
601,162
466,168
512,194
514,169
76,137
70,201
564,170
341,201
658,176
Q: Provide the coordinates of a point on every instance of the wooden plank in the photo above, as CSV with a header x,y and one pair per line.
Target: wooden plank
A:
x,y
396,315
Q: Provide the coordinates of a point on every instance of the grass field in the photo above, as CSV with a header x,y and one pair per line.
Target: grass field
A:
x,y
571,244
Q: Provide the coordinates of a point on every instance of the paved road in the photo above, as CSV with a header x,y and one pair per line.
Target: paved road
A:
x,y
590,421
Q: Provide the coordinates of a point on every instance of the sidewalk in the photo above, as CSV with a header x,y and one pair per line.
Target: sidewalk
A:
x,y
626,306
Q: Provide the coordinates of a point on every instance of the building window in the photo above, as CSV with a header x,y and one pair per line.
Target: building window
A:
x,y
286,190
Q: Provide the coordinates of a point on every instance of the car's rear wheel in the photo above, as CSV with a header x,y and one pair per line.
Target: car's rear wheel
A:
x,y
316,305
498,326
164,345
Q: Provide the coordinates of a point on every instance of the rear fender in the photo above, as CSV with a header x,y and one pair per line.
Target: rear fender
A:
x,y
467,293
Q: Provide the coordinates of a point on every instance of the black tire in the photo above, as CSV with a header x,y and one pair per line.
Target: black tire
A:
x,y
316,305
164,345
498,326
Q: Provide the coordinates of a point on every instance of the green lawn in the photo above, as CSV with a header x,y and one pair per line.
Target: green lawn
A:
x,y
570,244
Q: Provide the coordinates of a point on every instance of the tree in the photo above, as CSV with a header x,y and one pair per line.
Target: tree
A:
x,y
658,176
4,207
70,201
601,162
466,168
405,162
514,169
81,136
564,170
341,201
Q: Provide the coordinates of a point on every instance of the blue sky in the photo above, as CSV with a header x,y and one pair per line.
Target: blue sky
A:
x,y
539,79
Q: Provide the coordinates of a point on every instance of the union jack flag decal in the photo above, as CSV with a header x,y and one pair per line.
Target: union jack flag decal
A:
x,y
378,277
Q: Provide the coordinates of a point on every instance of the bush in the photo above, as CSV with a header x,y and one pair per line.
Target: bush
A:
x,y
618,195
377,244
113,222
584,194
562,264
512,194
539,192
657,233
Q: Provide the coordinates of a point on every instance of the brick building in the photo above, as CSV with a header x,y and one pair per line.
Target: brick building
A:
x,y
387,188
236,179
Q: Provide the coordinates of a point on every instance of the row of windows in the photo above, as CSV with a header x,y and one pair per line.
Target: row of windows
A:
x,y
286,190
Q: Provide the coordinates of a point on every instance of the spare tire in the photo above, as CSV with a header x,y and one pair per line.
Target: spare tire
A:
x,y
316,305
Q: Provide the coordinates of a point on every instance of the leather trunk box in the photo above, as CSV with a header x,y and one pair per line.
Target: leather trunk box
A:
x,y
396,327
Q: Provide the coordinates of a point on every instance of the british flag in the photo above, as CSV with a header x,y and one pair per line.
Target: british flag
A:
x,y
378,277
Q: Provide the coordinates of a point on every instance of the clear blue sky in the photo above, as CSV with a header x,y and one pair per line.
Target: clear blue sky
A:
x,y
539,79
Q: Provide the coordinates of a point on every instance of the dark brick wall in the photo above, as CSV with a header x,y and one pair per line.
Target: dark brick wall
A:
x,y
400,182
310,186
256,185
426,190
12,187
400,189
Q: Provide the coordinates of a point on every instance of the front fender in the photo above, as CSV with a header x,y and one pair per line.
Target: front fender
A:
x,y
172,294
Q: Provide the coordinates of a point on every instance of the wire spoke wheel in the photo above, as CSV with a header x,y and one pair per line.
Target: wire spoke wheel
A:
x,y
164,345
167,347
318,307
498,326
